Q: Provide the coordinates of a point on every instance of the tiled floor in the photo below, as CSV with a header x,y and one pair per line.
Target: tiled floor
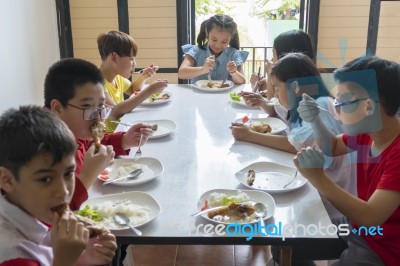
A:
x,y
197,255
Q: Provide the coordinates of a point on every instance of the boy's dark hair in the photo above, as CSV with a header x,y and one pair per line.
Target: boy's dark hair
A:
x,y
386,78
29,131
65,76
223,22
294,41
300,68
116,41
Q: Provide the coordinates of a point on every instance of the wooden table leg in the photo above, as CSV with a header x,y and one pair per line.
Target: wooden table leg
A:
x,y
285,255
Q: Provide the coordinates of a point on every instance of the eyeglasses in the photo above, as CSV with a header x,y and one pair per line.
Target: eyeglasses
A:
x,y
338,106
92,113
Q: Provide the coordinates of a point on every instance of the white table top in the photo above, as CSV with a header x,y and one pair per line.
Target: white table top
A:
x,y
202,155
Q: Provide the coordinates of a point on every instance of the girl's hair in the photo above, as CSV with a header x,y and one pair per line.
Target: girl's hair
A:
x,y
294,41
298,67
118,42
29,131
222,22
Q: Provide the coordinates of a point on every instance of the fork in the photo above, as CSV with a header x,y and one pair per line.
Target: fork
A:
x,y
138,153
209,83
291,181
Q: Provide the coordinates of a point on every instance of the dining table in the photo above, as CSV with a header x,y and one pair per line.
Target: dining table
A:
x,y
201,155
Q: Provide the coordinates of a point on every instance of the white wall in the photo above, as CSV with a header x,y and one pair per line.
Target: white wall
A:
x,y
28,46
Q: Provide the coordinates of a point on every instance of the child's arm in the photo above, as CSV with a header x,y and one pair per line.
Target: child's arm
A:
x,y
244,133
99,251
373,212
138,83
134,100
256,100
189,70
236,73
69,238
329,143
94,163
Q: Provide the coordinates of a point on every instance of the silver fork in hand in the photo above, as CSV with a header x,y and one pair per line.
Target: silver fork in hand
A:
x,y
139,152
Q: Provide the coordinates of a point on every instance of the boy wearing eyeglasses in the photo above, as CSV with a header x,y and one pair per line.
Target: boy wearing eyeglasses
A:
x,y
37,177
118,51
367,101
74,90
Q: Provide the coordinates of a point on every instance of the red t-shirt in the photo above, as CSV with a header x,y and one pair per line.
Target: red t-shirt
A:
x,y
382,172
80,193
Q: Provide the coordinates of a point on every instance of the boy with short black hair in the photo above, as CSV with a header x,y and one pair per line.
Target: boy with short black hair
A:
x,y
37,167
74,90
368,98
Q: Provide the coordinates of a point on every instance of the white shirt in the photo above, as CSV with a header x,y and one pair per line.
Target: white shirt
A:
x,y
23,236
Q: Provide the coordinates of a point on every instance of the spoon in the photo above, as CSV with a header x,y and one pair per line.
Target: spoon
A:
x,y
135,173
291,181
260,210
122,219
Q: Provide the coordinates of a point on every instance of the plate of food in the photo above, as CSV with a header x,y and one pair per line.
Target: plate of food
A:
x,y
213,86
268,125
238,205
270,177
157,98
140,207
161,127
150,169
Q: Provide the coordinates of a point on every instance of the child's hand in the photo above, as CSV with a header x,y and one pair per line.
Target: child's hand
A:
x,y
254,79
240,131
209,64
157,86
308,109
99,251
253,99
310,163
231,67
150,71
268,66
132,137
95,163
69,238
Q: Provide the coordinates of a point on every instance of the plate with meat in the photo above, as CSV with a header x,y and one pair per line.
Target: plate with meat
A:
x,y
151,168
270,177
160,127
268,125
213,85
157,99
140,207
236,205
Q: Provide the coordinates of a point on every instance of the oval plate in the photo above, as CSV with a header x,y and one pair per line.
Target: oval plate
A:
x,y
151,168
271,177
256,196
276,124
148,102
202,85
165,127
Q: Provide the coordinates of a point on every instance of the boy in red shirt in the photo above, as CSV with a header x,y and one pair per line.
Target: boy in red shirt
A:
x,y
74,90
368,98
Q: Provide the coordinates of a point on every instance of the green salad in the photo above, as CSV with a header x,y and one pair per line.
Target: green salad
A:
x,y
90,213
235,96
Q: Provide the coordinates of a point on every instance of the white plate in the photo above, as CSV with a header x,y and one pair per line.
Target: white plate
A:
x,y
202,85
254,195
135,197
151,168
147,102
276,124
271,177
165,127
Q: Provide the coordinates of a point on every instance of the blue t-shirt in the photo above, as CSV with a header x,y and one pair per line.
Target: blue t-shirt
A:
x,y
219,71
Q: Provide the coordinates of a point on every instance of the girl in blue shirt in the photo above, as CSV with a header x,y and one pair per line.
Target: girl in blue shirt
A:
x,y
217,52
